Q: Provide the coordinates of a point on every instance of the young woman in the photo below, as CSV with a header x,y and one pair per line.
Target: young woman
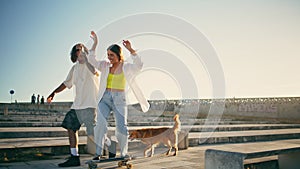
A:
x,y
115,73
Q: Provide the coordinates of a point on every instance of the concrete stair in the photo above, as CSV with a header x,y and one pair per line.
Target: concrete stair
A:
x,y
47,137
196,131
135,118
40,131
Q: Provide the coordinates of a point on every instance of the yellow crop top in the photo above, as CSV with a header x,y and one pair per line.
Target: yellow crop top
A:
x,y
116,81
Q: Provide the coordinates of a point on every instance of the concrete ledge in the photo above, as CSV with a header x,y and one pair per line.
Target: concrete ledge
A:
x,y
232,157
217,159
242,136
270,162
183,139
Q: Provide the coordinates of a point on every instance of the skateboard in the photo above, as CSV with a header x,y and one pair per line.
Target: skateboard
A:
x,y
92,164
127,162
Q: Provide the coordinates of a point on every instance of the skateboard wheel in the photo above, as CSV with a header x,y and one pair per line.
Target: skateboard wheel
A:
x,y
92,165
120,164
129,166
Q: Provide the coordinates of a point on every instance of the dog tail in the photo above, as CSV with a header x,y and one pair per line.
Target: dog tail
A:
x,y
177,124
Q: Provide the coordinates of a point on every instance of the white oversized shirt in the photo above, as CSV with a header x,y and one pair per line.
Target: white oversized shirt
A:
x,y
129,69
86,86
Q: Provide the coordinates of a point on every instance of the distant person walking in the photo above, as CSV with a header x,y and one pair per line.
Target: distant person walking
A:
x,y
33,99
42,100
38,99
83,110
115,73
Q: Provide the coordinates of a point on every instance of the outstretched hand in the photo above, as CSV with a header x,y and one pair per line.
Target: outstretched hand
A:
x,y
50,98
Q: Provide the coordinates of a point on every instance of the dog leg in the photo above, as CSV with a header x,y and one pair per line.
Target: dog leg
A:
x,y
152,150
176,144
176,150
169,151
170,148
147,149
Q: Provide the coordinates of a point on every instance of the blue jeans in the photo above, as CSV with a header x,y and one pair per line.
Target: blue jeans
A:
x,y
116,102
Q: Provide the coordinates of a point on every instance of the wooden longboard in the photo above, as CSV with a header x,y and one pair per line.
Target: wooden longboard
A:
x,y
93,164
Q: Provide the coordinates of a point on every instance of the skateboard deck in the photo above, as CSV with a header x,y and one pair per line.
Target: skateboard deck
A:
x,y
127,162
93,164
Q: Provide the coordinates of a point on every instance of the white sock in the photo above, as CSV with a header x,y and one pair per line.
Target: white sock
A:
x,y
107,141
74,151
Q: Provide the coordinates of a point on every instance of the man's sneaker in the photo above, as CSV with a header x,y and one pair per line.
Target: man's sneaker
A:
x,y
96,158
127,156
71,161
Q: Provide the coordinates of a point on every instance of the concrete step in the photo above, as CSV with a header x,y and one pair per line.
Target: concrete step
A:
x,y
60,145
31,113
270,162
42,142
25,132
46,116
33,118
134,118
29,124
35,132
195,138
190,158
56,122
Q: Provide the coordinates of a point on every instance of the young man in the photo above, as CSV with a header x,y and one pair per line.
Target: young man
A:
x,y
83,110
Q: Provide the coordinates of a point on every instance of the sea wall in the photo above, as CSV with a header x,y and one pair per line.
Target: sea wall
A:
x,y
283,109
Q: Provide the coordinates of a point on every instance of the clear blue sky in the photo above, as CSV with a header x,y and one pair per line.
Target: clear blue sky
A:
x,y
257,42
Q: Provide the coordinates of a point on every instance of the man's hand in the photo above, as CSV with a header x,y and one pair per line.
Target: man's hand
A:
x,y
94,36
95,39
50,97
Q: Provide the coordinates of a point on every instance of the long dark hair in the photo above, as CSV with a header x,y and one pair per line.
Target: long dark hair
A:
x,y
117,50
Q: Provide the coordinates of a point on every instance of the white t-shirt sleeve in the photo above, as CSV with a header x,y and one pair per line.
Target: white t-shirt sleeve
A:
x,y
69,80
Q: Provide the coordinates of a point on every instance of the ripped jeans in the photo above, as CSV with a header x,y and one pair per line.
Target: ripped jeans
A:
x,y
112,102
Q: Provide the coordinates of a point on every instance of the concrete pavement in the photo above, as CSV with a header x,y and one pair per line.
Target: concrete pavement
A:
x,y
192,158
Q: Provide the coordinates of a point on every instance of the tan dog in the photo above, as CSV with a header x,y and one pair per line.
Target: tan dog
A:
x,y
153,136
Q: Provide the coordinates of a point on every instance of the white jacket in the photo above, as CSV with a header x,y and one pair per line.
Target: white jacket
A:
x,y
129,69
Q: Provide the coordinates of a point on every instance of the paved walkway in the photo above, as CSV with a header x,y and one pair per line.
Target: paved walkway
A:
x,y
192,158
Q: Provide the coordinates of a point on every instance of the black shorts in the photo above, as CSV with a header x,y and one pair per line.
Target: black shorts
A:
x,y
71,121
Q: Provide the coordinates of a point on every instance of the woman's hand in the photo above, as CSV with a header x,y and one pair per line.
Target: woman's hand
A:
x,y
127,45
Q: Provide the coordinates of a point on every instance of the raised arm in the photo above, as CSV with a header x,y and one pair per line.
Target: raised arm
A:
x,y
137,62
92,56
127,45
92,52
95,39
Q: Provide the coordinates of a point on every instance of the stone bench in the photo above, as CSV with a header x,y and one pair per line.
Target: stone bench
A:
x,y
233,156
